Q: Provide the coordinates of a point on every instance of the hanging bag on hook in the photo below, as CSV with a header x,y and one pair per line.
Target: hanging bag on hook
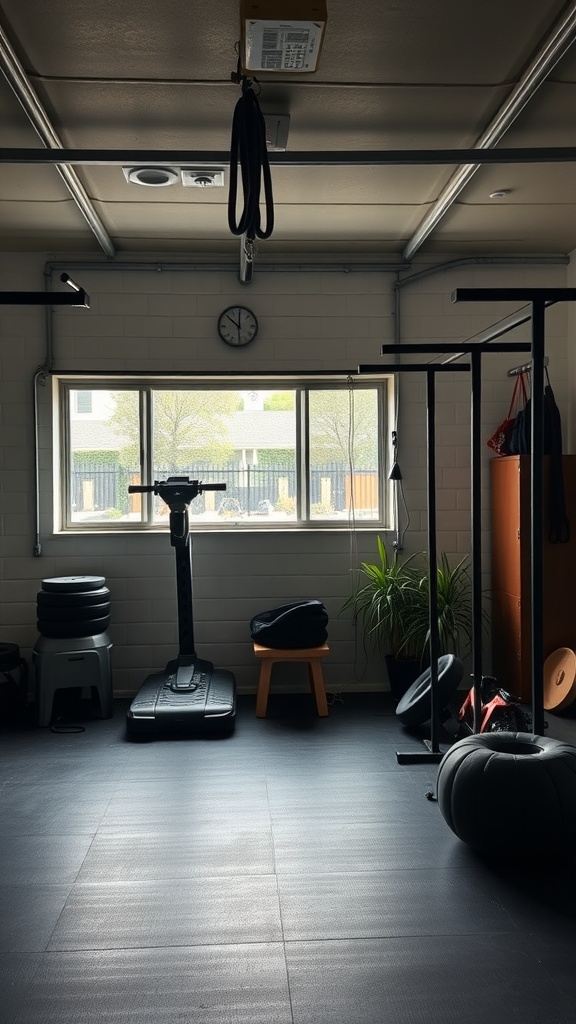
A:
x,y
500,442
559,524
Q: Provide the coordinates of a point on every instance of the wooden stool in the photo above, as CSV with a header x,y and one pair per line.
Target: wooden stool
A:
x,y
312,655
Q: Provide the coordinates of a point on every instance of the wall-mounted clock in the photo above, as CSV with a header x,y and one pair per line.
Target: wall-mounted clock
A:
x,y
237,325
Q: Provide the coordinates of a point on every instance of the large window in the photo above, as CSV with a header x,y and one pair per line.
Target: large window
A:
x,y
290,454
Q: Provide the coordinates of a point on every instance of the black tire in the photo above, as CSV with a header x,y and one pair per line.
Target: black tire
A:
x,y
414,707
94,611
81,599
72,584
73,630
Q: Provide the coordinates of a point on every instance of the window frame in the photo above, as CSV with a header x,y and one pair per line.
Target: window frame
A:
x,y
145,385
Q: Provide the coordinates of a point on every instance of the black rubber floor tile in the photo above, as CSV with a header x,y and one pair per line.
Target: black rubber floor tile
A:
x,y
192,854
195,759
386,903
353,797
17,971
243,984
42,859
86,765
155,805
28,916
556,951
541,901
169,913
64,808
307,847
453,979
291,753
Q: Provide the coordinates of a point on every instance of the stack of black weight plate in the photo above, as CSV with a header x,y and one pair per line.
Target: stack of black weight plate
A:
x,y
73,606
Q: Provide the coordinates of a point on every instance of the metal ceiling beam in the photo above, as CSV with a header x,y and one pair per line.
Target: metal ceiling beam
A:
x,y
19,83
554,47
308,158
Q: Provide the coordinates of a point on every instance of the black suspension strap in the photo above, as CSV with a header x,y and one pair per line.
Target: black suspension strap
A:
x,y
248,148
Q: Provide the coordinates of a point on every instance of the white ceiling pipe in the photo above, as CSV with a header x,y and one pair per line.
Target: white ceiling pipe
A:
x,y
18,81
561,38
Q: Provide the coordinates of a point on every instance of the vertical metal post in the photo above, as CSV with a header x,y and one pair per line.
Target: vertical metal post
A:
x,y
476,530
432,562
537,532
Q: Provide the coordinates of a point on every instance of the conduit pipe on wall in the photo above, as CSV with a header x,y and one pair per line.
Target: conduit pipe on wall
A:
x,y
277,268
467,261
39,380
20,84
555,46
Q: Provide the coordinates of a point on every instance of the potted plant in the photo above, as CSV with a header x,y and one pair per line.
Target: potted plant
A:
x,y
454,608
391,603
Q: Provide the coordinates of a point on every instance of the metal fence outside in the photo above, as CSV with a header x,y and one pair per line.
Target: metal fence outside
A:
x,y
249,489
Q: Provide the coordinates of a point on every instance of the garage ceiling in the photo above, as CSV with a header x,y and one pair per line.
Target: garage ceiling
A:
x,y
413,75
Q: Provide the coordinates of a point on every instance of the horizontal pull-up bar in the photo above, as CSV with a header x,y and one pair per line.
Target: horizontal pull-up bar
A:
x,y
545,295
307,158
411,367
462,347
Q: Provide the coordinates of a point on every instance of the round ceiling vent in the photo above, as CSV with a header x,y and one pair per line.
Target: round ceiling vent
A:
x,y
156,177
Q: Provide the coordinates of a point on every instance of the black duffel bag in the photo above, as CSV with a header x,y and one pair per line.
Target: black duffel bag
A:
x,y
301,624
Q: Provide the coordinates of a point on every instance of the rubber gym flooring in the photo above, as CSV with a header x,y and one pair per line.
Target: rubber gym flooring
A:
x,y
293,872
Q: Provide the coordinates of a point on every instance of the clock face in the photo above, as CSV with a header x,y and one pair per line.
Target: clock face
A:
x,y
237,325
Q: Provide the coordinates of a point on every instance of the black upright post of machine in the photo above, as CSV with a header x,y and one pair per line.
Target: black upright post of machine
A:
x,y
190,695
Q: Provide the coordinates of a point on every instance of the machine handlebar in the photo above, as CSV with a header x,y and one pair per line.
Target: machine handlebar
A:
x,y
174,483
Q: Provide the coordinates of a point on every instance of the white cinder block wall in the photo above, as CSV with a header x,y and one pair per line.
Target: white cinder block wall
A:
x,y
165,320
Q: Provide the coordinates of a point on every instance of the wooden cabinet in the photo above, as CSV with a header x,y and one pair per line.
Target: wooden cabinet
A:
x,y
511,536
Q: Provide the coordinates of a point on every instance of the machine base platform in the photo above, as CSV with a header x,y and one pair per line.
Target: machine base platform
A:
x,y
163,704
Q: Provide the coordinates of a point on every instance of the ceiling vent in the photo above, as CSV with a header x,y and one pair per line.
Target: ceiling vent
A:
x,y
153,177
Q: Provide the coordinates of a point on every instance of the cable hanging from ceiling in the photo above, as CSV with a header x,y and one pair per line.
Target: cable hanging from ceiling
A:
x,y
248,149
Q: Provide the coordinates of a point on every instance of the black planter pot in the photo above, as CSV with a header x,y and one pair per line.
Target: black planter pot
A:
x,y
402,672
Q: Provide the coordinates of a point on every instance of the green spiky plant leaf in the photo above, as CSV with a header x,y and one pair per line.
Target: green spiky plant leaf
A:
x,y
454,609
381,602
391,603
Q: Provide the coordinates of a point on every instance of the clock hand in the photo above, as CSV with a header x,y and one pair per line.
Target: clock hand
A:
x,y
236,324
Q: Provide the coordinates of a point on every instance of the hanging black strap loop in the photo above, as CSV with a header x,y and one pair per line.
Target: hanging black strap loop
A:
x,y
248,148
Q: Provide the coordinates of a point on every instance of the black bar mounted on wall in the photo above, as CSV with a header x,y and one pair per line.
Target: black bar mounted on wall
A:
x,y
77,298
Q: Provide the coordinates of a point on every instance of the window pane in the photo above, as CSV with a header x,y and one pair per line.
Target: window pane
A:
x,y
245,439
104,457
83,401
343,475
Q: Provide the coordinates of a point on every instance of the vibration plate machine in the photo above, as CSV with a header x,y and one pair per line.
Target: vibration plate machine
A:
x,y
190,695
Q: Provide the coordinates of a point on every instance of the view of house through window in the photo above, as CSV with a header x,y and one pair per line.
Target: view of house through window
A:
x,y
292,455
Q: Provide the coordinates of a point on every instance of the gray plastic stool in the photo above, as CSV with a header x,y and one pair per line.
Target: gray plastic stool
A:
x,y
60,664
